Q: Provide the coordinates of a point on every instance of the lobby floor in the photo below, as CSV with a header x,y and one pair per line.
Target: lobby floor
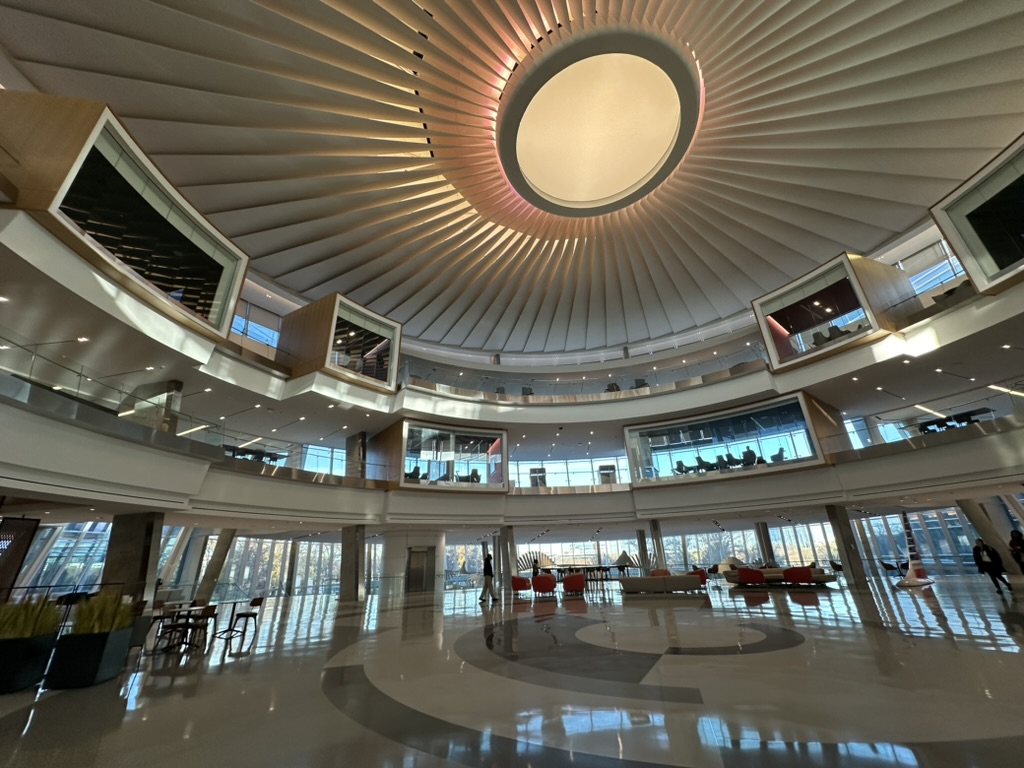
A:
x,y
796,678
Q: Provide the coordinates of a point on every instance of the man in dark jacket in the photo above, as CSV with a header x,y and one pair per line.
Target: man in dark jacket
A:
x,y
991,563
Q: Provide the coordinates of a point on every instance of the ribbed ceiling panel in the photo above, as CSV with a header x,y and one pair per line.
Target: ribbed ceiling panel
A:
x,y
350,146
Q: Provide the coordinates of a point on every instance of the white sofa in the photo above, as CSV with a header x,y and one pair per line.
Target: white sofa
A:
x,y
635,585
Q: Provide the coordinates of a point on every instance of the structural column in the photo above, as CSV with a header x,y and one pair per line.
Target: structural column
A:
x,y
641,548
225,541
659,544
133,553
764,542
980,519
509,564
289,571
353,555
850,558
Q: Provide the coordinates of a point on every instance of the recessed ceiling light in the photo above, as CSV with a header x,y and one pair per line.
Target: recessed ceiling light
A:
x,y
748,343
972,378
331,405
257,405
828,310
274,429
584,378
655,367
906,362
938,370
4,299
58,388
713,353
684,359
269,296
817,303
83,338
878,389
150,368
4,346
460,373
302,418
591,431
351,333
855,379
321,439
208,389
1006,346
223,417
345,427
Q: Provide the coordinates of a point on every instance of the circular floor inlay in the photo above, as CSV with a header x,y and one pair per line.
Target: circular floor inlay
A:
x,y
598,128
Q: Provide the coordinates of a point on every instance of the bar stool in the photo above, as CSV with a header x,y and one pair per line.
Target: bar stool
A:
x,y
244,616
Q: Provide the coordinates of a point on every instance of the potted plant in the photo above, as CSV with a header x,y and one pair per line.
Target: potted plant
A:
x,y
97,646
28,631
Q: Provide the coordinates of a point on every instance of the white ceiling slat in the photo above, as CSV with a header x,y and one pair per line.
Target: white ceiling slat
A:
x,y
313,135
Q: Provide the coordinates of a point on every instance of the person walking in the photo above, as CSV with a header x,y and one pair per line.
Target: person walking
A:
x,y
990,563
488,580
1016,545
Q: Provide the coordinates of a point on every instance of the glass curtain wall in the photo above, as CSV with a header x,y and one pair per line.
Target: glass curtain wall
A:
x,y
70,557
943,536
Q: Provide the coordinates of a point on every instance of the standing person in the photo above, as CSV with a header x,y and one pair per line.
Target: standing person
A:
x,y
1016,545
488,580
536,567
990,563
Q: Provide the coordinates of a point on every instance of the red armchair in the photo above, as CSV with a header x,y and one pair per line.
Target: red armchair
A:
x,y
574,584
520,584
750,576
544,584
799,575
702,573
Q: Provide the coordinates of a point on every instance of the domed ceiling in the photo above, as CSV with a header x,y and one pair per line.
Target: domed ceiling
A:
x,y
374,148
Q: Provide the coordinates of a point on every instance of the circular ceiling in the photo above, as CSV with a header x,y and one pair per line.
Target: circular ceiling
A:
x,y
358,147
597,130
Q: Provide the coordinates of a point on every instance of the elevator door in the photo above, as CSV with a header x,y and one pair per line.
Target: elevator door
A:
x,y
419,569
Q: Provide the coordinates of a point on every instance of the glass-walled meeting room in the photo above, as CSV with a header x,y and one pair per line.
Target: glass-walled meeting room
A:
x,y
438,456
752,438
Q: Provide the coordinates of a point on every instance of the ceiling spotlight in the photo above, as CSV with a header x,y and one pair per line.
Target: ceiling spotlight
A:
x,y
351,333
331,405
302,418
906,362
1005,346
150,368
854,378
879,389
938,370
208,389
83,338
257,405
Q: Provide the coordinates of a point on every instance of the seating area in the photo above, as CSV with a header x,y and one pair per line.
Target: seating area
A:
x,y
662,582
796,576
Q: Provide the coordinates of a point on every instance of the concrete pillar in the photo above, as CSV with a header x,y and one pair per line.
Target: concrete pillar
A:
x,y
133,553
352,586
764,542
659,543
293,561
509,566
874,436
641,548
225,541
850,557
192,559
980,519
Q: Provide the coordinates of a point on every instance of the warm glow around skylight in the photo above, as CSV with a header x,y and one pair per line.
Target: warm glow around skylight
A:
x,y
598,129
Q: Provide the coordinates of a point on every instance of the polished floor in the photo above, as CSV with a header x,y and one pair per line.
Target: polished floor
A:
x,y
798,678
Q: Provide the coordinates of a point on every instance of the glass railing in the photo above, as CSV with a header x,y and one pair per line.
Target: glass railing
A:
x,y
114,395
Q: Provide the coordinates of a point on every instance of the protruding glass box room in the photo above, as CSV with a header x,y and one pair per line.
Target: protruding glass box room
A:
x,y
845,300
338,336
766,436
462,459
983,221
139,222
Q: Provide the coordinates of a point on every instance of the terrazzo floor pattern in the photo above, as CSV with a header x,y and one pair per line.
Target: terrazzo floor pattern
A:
x,y
831,677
